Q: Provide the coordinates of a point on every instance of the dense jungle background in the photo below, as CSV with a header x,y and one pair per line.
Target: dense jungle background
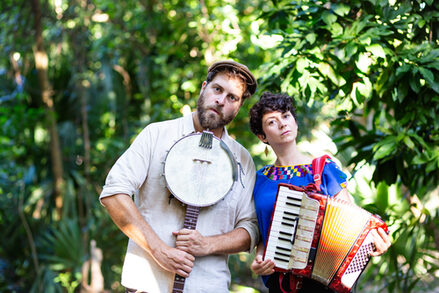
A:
x,y
79,79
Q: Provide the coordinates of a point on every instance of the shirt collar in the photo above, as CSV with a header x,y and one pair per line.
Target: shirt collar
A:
x,y
188,124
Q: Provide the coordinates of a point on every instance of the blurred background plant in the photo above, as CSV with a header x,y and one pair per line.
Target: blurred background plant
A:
x,y
79,79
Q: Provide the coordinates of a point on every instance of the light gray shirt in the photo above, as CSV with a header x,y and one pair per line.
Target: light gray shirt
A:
x,y
139,171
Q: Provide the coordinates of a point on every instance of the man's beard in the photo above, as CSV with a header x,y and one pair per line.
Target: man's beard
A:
x,y
209,120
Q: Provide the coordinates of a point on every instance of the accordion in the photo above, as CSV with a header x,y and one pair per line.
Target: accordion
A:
x,y
318,237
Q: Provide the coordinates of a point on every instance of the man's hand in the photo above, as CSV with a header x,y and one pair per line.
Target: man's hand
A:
x,y
126,216
381,240
174,260
191,241
262,267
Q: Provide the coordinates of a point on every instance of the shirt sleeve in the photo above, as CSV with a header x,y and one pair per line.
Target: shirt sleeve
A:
x,y
333,179
246,213
130,170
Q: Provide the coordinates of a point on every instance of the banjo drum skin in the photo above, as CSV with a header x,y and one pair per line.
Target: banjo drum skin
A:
x,y
199,170
200,174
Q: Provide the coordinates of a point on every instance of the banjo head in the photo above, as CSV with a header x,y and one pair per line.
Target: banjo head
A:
x,y
197,175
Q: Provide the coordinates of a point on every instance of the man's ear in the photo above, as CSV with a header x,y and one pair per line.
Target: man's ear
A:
x,y
262,138
203,85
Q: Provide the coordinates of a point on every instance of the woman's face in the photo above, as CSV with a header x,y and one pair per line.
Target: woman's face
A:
x,y
278,127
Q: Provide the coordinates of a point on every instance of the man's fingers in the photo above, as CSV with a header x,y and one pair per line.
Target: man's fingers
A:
x,y
183,273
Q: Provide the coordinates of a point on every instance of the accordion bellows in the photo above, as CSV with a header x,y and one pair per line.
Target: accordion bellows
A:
x,y
318,237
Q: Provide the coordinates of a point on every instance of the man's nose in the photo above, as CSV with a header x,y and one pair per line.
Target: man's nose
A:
x,y
220,99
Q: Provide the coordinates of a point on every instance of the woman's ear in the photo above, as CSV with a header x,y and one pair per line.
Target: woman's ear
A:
x,y
262,138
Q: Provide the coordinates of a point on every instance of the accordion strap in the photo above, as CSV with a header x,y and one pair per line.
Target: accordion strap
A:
x,y
317,169
295,283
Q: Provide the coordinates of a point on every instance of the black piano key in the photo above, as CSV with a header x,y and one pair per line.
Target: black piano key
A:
x,y
283,238
280,254
294,199
287,224
285,233
293,204
288,218
281,259
282,248
291,214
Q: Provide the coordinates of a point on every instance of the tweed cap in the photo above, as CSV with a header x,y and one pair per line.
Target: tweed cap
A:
x,y
250,79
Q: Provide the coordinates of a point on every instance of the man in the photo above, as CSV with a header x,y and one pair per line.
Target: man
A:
x,y
158,248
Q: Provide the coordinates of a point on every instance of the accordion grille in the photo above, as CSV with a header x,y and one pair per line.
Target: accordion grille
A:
x,y
342,225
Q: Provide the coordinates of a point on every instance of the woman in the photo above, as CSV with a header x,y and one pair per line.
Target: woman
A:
x,y
273,120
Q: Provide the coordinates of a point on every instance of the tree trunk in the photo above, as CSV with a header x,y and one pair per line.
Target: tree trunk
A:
x,y
41,64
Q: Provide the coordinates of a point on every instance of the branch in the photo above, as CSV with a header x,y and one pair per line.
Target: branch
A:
x,y
29,236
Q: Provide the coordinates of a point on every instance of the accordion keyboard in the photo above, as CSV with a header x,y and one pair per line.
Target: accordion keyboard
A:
x,y
292,229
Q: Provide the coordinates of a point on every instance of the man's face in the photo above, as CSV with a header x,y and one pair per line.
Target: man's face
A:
x,y
219,101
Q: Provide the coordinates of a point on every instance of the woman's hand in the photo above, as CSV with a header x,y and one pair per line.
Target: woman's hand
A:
x,y
381,240
262,267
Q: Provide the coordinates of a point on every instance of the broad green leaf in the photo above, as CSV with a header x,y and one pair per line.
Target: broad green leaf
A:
x,y
384,150
351,49
408,142
377,50
340,9
363,63
311,38
415,84
327,70
301,64
336,29
329,18
382,197
402,69
433,65
427,74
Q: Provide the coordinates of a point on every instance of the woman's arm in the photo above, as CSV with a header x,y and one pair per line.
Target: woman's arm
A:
x,y
259,266
344,195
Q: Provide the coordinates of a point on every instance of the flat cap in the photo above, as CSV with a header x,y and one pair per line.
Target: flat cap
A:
x,y
250,79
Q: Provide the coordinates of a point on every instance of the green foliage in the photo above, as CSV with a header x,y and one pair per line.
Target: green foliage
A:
x,y
115,67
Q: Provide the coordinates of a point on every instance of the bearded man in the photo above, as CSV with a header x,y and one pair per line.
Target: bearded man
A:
x,y
158,248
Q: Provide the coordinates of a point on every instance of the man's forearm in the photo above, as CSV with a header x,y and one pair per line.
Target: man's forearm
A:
x,y
127,217
233,242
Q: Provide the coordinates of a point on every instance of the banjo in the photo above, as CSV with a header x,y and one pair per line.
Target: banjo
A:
x,y
199,171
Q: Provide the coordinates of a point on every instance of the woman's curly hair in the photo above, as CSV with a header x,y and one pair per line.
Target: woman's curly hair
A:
x,y
269,102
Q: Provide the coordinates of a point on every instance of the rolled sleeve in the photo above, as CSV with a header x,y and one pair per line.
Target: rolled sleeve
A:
x,y
246,216
129,172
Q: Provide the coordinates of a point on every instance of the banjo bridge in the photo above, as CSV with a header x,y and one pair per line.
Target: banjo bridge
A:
x,y
202,161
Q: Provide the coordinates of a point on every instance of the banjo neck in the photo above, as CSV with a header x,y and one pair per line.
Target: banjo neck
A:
x,y
190,222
